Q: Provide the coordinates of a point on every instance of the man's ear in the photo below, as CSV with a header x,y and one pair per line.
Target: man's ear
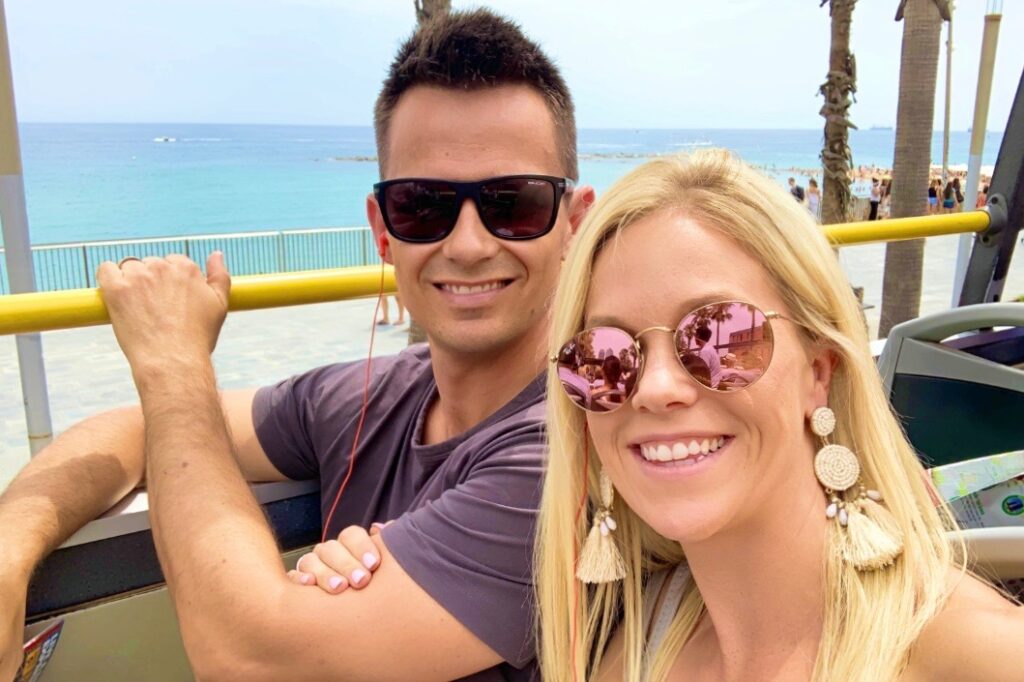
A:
x,y
583,198
380,232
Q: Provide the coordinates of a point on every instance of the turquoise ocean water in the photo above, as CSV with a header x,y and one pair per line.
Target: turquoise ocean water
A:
x,y
115,181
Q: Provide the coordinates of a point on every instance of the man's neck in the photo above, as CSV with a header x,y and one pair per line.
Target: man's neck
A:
x,y
471,388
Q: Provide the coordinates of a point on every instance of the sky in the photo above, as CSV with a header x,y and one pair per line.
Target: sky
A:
x,y
632,64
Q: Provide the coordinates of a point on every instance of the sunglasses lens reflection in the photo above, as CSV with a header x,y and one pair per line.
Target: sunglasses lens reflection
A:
x,y
598,368
725,346
421,210
518,208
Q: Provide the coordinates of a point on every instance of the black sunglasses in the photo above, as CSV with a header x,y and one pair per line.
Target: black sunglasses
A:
x,y
424,210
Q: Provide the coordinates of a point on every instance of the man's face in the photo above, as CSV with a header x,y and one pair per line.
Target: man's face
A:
x,y
472,292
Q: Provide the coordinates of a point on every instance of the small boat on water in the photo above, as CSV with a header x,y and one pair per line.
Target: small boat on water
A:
x,y
165,139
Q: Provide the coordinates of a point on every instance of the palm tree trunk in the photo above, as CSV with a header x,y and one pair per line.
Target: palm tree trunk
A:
x,y
915,114
836,157
425,10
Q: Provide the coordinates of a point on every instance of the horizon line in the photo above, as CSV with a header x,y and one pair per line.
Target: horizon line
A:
x,y
370,125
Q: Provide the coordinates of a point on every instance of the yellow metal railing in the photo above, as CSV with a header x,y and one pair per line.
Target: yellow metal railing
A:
x,y
27,313
901,229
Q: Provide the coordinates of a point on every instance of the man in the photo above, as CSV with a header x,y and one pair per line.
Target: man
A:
x,y
451,449
708,354
875,198
796,190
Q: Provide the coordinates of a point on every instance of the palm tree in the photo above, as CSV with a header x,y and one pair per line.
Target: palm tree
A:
x,y
586,341
915,114
720,314
425,11
838,89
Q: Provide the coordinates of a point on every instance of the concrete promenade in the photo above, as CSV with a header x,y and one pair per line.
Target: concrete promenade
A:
x,y
87,373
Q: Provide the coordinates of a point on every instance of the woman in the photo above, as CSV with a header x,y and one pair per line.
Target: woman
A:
x,y
814,198
933,196
874,197
948,198
958,193
885,210
715,548
982,199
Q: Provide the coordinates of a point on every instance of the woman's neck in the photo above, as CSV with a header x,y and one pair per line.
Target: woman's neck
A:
x,y
764,586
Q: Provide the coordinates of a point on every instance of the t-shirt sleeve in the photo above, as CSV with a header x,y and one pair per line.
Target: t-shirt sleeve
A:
x,y
471,549
286,417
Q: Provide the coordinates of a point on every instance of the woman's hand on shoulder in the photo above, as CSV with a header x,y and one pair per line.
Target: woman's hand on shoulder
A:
x,y
977,636
336,565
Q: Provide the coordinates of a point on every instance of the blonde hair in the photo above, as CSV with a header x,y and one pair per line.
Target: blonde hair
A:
x,y
870,619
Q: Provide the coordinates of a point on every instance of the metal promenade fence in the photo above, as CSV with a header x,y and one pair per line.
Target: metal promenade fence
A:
x,y
73,266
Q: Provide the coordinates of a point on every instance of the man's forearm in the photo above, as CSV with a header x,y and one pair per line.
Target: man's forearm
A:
x,y
84,472
212,539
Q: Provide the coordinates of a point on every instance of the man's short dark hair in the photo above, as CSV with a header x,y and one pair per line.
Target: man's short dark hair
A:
x,y
704,333
474,50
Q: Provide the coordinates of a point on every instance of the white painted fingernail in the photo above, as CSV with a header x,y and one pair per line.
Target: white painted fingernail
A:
x,y
369,560
335,582
358,575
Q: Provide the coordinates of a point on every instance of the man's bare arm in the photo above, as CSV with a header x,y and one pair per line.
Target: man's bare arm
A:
x,y
76,478
79,476
87,469
239,615
83,473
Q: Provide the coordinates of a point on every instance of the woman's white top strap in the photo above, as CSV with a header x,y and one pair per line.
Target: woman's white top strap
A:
x,y
658,617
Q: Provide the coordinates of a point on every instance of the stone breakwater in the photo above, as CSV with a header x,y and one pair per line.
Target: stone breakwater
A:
x,y
861,173
360,159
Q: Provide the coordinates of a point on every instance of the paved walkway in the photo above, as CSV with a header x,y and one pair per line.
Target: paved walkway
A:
x,y
87,373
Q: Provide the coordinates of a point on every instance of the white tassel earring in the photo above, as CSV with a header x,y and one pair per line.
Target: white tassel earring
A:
x,y
600,560
871,537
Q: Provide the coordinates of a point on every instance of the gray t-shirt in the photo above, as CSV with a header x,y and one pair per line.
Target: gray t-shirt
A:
x,y
463,510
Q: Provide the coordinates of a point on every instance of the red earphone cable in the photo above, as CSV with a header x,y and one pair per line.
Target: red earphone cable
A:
x,y
362,411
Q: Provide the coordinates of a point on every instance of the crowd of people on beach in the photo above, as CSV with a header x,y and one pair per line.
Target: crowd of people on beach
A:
x,y
875,185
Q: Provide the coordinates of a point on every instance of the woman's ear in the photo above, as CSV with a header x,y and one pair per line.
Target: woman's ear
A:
x,y
824,361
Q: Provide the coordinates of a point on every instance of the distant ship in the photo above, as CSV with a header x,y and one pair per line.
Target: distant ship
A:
x,y
165,139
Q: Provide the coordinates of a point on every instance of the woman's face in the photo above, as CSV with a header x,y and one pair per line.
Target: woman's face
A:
x,y
657,271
